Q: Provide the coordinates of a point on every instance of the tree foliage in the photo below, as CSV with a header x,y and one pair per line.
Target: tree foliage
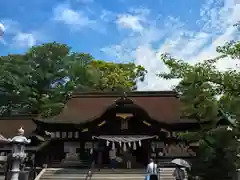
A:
x,y
205,93
40,80
118,77
35,81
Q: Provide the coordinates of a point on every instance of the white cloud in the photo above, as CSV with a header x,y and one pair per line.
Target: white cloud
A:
x,y
105,14
11,27
24,40
133,20
2,32
2,41
18,38
173,36
75,19
130,21
2,29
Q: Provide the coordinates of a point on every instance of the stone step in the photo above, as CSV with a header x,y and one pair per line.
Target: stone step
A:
x,y
67,174
94,172
99,175
83,178
103,178
94,177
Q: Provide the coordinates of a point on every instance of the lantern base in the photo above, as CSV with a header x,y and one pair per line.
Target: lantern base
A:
x,y
22,175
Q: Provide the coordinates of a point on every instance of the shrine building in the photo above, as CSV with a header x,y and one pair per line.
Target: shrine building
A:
x,y
144,124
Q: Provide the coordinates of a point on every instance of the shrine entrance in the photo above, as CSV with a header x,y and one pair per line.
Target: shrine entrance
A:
x,y
142,154
129,149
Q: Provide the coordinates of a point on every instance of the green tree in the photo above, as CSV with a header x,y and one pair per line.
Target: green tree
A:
x,y
12,79
117,76
204,92
40,80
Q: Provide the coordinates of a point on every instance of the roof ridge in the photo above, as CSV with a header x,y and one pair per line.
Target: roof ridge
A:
x,y
130,94
18,116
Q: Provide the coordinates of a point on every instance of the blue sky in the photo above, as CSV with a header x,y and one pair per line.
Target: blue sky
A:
x,y
124,30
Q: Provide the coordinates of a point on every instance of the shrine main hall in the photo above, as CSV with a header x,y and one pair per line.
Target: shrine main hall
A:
x,y
138,125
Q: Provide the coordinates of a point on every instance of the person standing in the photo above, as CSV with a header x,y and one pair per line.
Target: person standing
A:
x,y
151,171
99,160
127,157
93,156
179,173
112,158
8,166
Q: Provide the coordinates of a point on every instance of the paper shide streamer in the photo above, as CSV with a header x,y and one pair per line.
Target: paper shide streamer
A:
x,y
131,141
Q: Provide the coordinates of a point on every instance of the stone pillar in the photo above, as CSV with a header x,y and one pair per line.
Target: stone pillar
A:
x,y
238,174
18,152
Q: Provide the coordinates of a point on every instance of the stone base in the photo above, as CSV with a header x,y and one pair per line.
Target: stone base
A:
x,y
23,175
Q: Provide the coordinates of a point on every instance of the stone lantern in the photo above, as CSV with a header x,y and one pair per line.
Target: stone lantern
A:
x,y
18,152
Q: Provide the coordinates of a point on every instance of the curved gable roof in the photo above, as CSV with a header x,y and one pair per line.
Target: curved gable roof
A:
x,y
162,106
